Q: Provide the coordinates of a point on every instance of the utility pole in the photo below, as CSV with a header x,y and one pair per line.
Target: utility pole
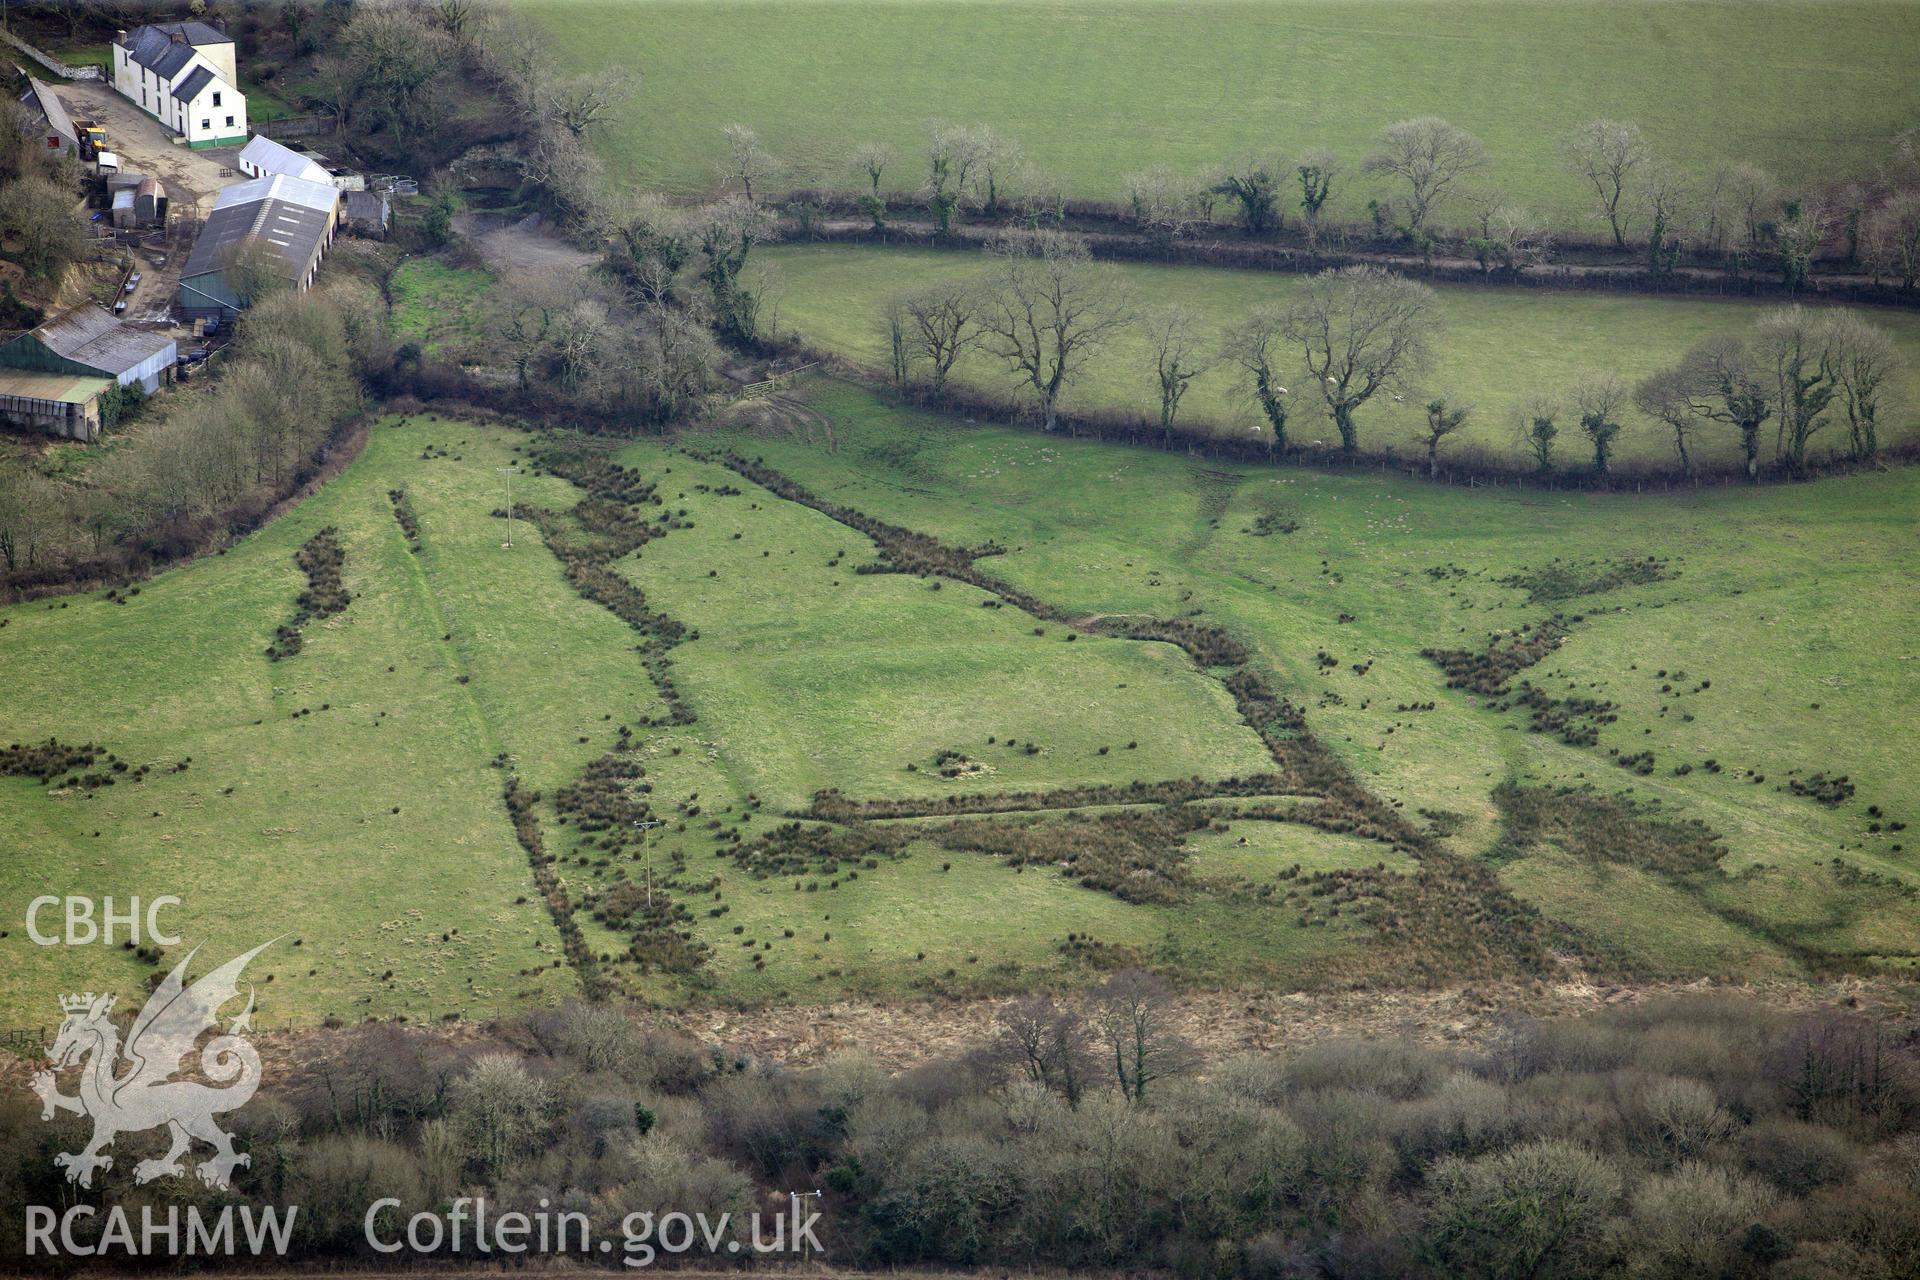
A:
x,y
646,847
797,1197
509,473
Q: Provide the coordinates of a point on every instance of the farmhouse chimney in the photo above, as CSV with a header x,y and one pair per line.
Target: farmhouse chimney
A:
x,y
176,37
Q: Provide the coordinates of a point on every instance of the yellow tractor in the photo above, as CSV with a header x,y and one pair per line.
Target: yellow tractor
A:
x,y
93,138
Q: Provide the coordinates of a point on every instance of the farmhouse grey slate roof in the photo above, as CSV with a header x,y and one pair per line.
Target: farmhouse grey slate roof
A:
x,y
193,83
154,47
91,337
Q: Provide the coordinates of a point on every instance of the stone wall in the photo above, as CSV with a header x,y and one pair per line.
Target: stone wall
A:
x,y
51,63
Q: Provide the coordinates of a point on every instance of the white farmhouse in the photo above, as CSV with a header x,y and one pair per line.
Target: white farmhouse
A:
x,y
182,74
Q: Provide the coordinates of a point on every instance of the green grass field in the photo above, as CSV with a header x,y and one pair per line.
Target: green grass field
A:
x,y
437,305
1095,89
1791,602
1497,345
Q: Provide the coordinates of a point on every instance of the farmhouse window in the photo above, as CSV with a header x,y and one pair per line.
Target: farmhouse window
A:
x,y
216,102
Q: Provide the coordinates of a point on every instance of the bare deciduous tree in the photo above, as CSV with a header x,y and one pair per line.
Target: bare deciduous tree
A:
x,y
1048,1045
994,173
1803,226
1893,238
943,323
1607,153
1799,346
1663,195
1667,398
953,153
1510,237
1361,329
1431,156
1726,382
37,216
648,250
1256,344
1039,197
1133,1019
1048,309
870,160
1319,171
747,161
1161,203
579,103
1865,358
1753,196
1176,360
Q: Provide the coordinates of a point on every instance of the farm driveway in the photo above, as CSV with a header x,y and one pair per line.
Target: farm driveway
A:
x,y
192,178
527,244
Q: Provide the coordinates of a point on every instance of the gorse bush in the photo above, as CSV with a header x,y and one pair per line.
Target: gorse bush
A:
x,y
321,558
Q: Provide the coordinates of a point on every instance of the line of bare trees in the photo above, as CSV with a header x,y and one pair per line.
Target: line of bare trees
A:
x,y
1043,308
1421,171
1803,370
1358,334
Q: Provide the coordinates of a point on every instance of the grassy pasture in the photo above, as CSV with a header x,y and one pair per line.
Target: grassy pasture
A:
x,y
1095,89
286,825
1498,344
1784,598
435,304
1790,601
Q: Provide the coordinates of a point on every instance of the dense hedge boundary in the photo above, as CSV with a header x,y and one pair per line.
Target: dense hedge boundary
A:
x,y
1109,234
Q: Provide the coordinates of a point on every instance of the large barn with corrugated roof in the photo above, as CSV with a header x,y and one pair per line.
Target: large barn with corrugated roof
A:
x,y
88,342
285,224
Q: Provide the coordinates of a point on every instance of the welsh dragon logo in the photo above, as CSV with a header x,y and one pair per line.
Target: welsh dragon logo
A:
x,y
126,1091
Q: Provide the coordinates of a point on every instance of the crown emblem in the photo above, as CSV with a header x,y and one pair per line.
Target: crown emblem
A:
x,y
77,1004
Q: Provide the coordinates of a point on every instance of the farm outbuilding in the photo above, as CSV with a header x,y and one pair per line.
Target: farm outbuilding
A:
x,y
150,202
87,342
287,222
368,213
262,157
59,404
50,118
